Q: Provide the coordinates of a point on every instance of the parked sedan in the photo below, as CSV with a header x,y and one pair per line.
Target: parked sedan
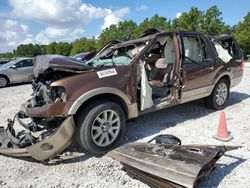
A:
x,y
16,71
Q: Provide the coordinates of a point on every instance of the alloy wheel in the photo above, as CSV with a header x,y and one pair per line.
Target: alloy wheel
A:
x,y
221,94
105,128
3,82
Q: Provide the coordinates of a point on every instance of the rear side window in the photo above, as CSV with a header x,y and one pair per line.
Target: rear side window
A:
x,y
227,49
223,53
193,48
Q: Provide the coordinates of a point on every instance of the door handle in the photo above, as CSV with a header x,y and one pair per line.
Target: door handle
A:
x,y
210,68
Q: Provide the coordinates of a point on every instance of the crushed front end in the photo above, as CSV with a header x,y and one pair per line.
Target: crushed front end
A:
x,y
39,142
45,128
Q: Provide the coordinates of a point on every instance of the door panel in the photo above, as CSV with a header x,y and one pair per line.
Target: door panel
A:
x,y
198,70
196,75
23,71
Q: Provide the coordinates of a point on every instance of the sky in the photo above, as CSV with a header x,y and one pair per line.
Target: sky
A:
x,y
44,21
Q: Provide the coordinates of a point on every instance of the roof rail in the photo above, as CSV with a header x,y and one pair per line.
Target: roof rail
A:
x,y
151,32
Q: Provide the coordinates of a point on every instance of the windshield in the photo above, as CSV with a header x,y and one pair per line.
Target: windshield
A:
x,y
6,65
117,55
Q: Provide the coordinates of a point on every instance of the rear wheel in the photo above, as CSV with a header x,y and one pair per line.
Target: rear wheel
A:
x,y
101,126
218,99
3,81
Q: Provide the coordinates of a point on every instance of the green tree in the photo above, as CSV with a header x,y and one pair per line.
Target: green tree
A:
x,y
7,55
158,22
51,48
242,34
122,31
212,23
28,50
63,48
190,21
83,45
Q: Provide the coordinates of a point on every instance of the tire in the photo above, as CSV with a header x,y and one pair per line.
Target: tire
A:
x,y
3,81
95,133
219,97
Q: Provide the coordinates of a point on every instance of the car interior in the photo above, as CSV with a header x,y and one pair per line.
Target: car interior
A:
x,y
156,70
226,49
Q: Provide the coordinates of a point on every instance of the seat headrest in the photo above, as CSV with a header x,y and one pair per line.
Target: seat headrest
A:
x,y
161,63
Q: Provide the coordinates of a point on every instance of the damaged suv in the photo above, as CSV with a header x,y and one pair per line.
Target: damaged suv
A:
x,y
91,102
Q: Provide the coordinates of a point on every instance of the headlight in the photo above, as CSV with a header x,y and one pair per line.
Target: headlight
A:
x,y
58,94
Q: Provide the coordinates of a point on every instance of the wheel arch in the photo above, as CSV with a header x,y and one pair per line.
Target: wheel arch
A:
x,y
108,94
222,76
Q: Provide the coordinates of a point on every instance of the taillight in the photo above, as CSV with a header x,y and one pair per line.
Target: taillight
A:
x,y
242,65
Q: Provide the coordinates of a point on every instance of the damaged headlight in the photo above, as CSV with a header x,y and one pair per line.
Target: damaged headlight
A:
x,y
44,94
58,94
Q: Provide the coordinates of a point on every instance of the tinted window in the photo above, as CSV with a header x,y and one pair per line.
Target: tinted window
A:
x,y
24,63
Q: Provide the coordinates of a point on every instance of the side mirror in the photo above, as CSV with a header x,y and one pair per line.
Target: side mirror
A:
x,y
13,67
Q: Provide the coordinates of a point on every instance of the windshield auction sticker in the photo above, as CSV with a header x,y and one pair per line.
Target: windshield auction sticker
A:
x,y
106,73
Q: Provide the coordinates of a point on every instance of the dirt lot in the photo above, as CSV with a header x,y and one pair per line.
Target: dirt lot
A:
x,y
191,122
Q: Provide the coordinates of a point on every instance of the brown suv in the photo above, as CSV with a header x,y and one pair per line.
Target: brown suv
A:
x,y
92,102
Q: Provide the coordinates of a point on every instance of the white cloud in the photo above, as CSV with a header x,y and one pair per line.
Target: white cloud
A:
x,y
11,34
24,27
178,14
57,34
57,12
114,17
61,20
142,8
61,12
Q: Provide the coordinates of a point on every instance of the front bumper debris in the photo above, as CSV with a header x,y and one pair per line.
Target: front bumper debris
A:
x,y
36,144
168,165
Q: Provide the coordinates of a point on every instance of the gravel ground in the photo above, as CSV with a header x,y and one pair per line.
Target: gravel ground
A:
x,y
191,122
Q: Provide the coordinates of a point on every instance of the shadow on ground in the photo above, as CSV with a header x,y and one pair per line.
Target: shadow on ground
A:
x,y
148,125
220,172
18,84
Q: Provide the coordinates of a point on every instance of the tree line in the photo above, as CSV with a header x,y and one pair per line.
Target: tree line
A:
x,y
208,22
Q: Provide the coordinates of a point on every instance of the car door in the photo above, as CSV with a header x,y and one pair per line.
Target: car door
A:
x,y
198,67
23,71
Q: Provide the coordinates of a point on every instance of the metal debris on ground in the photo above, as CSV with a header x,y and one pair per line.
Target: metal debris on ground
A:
x,y
169,164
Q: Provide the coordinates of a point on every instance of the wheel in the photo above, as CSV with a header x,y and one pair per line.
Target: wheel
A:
x,y
3,81
218,98
101,126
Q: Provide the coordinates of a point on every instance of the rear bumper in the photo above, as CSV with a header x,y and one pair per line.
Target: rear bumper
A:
x,y
50,145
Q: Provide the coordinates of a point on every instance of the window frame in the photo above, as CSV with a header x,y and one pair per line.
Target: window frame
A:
x,y
202,45
27,60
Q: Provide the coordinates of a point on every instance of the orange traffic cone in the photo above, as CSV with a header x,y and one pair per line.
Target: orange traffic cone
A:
x,y
222,133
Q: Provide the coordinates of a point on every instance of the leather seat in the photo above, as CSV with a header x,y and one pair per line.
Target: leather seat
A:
x,y
158,78
159,71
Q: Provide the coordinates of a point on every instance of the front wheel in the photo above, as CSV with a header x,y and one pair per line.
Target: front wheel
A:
x,y
101,126
218,98
3,81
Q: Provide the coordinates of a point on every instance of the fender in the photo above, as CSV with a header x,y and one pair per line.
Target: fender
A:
x,y
132,107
